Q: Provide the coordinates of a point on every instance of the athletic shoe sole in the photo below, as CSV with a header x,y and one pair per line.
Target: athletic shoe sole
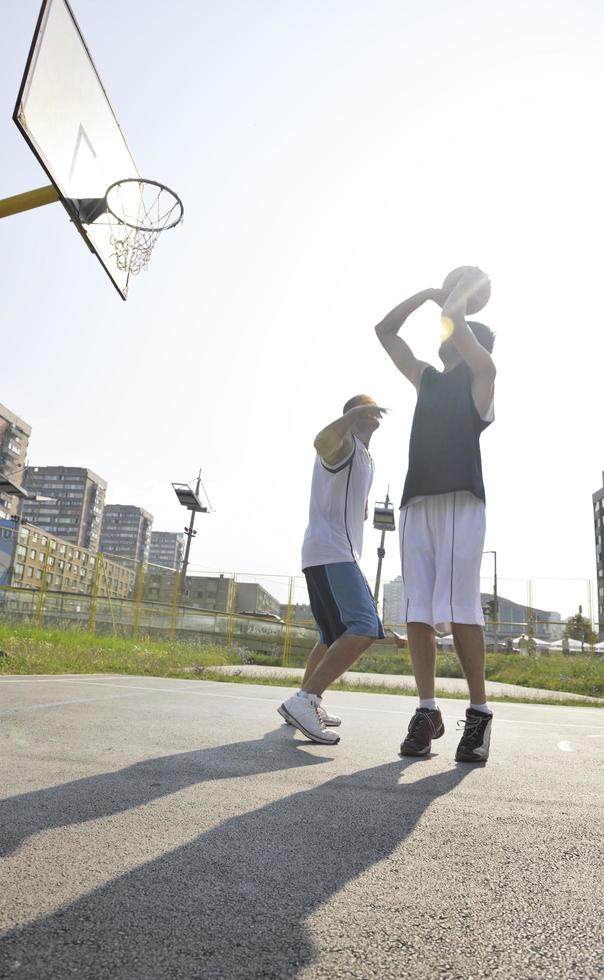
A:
x,y
313,738
410,753
461,757
328,724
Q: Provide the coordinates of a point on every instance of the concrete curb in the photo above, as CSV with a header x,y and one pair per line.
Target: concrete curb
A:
x,y
453,684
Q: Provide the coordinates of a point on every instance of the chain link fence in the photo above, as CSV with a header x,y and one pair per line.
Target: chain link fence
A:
x,y
52,583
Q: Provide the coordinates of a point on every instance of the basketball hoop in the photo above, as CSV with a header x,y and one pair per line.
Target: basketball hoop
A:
x,y
143,209
63,113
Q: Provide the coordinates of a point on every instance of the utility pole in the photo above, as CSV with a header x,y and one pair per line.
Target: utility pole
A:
x,y
383,519
189,499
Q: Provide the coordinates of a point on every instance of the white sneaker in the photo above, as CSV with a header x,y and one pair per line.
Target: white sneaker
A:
x,y
330,721
303,714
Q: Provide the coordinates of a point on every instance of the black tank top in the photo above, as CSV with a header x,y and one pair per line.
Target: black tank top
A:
x,y
444,449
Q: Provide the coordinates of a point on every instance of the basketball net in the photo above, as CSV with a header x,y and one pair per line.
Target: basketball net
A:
x,y
143,210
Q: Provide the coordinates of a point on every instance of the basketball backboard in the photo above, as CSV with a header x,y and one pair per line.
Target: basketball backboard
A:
x,y
65,115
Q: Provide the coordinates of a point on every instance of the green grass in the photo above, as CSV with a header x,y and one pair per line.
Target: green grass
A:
x,y
29,650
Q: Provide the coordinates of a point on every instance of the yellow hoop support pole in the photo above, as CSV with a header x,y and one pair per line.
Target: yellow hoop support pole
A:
x,y
175,597
94,595
287,637
28,200
138,595
43,585
231,608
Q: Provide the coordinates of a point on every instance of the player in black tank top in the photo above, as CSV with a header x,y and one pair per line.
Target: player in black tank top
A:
x,y
453,409
444,448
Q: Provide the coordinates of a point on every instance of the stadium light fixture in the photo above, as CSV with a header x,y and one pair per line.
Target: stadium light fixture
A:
x,y
189,499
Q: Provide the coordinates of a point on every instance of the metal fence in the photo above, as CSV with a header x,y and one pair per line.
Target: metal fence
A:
x,y
50,582
288,634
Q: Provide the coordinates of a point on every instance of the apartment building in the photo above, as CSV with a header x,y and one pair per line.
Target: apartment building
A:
x,y
68,502
253,598
14,439
209,592
392,600
126,532
41,560
201,591
167,549
514,619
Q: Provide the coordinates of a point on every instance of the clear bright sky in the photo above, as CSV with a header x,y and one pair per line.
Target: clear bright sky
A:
x,y
333,157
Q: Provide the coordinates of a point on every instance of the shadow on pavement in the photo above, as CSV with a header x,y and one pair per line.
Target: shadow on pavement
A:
x,y
233,903
109,793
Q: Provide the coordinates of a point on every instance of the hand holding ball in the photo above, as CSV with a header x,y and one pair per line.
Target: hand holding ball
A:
x,y
477,286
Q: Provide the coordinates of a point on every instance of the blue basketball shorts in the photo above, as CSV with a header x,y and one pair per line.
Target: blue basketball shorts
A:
x,y
341,601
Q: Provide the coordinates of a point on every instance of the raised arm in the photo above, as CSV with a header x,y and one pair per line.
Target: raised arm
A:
x,y
476,356
334,443
387,331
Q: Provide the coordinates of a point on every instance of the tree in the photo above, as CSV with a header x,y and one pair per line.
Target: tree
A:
x,y
579,628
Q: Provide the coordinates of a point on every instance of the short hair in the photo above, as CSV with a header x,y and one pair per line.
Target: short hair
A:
x,y
357,400
484,335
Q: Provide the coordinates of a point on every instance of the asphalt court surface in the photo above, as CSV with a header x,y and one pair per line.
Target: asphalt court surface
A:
x,y
164,828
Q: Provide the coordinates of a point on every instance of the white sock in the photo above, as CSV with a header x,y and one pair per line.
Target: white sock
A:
x,y
305,694
428,703
482,707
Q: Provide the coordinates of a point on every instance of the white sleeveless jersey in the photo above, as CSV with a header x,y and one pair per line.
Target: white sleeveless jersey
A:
x,y
338,498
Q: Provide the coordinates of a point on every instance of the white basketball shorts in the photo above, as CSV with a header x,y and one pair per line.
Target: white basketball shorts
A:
x,y
441,539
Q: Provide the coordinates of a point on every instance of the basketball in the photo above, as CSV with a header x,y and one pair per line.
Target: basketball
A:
x,y
477,299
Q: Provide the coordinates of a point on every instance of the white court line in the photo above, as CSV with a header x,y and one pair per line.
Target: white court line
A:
x,y
565,747
204,692
57,704
594,736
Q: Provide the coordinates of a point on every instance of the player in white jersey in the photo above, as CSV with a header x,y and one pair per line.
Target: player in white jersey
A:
x,y
340,598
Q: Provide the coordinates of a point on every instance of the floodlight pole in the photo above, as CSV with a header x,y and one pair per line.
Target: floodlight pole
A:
x,y
190,532
381,555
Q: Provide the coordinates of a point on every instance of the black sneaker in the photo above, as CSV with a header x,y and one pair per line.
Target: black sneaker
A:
x,y
425,725
474,744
